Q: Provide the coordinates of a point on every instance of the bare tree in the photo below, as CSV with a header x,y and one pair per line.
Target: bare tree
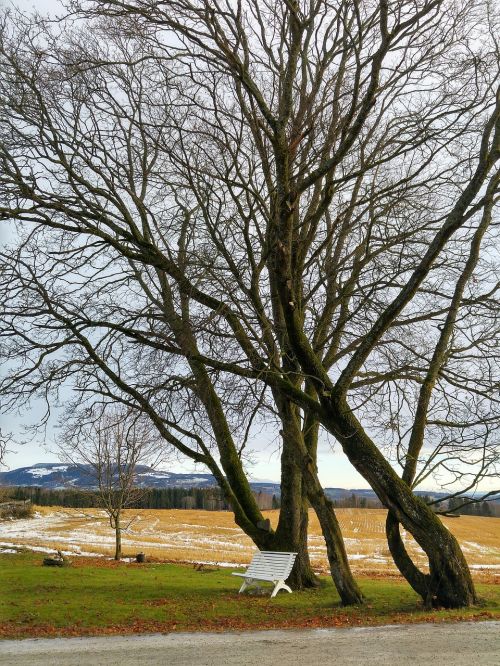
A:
x,y
108,450
309,182
5,439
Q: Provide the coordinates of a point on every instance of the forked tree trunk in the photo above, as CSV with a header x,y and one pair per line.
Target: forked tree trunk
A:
x,y
450,582
295,448
426,585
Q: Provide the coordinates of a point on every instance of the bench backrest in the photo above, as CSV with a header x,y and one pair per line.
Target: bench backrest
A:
x,y
269,563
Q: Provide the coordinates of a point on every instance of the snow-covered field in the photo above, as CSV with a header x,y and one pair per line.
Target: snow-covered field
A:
x,y
212,537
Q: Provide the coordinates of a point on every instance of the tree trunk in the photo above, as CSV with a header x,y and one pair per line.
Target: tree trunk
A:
x,y
292,529
295,451
450,582
118,538
419,581
340,570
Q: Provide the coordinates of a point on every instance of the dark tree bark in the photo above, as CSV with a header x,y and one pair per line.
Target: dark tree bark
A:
x,y
340,570
300,449
292,528
418,580
450,584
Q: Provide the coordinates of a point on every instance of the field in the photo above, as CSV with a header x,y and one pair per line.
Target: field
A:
x,y
213,538
100,596
95,595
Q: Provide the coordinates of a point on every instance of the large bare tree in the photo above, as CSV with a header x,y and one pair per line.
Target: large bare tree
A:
x,y
314,198
361,140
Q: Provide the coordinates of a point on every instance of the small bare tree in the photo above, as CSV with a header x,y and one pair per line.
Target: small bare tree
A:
x,y
4,440
110,448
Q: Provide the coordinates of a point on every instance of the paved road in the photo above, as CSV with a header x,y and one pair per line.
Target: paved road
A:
x,y
464,644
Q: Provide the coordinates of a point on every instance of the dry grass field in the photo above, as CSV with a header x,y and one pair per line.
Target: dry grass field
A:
x,y
212,537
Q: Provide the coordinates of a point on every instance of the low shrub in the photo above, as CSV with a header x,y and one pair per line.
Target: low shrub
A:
x,y
17,511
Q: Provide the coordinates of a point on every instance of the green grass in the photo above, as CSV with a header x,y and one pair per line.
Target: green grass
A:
x,y
94,597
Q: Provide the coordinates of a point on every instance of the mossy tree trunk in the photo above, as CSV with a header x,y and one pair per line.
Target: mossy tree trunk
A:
x,y
292,529
450,583
300,448
340,570
416,578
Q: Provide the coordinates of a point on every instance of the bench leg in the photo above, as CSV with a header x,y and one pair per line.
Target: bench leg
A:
x,y
249,582
280,585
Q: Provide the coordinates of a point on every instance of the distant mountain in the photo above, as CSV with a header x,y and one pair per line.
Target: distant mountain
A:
x,y
59,476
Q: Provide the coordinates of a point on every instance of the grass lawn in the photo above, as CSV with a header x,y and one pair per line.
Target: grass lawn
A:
x,y
95,596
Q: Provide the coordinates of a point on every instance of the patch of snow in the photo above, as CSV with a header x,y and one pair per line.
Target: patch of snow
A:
x,y
472,546
43,549
231,565
376,559
44,471
190,526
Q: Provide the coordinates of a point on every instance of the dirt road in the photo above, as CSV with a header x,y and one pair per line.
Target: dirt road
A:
x,y
460,644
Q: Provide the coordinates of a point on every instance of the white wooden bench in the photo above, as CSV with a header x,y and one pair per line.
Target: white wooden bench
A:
x,y
273,567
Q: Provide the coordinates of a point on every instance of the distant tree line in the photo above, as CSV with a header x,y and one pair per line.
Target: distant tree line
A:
x,y
209,499
463,506
354,501
459,505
